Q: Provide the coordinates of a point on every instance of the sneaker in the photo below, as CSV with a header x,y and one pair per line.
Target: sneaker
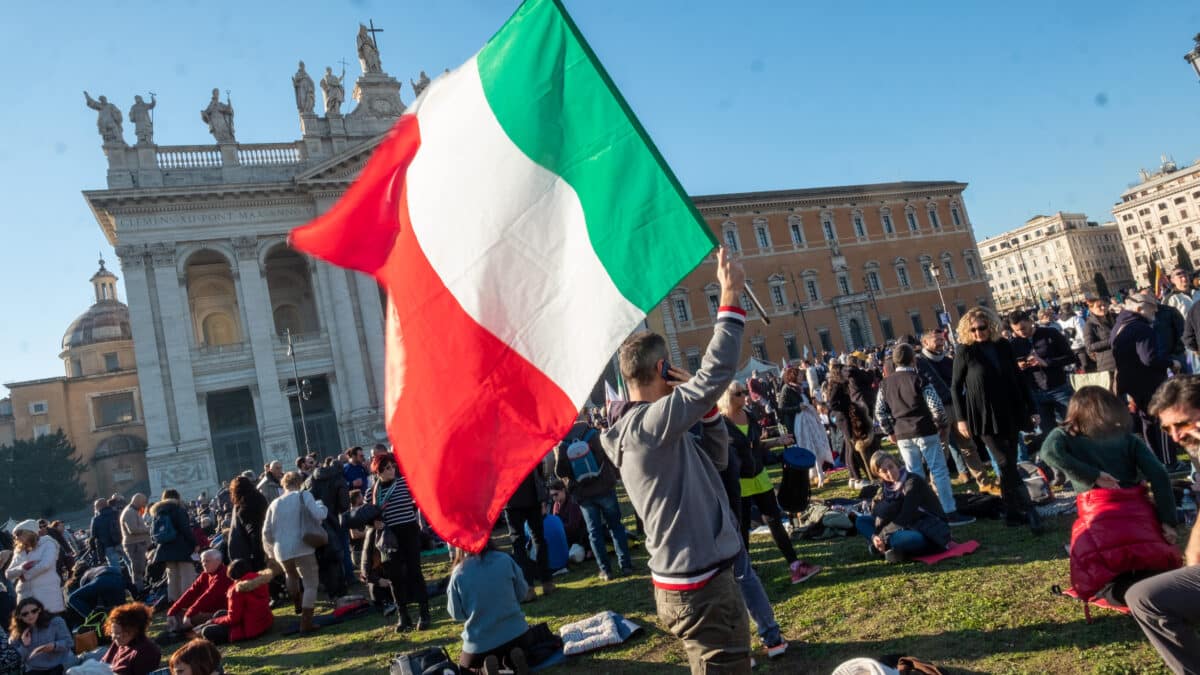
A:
x,y
853,484
802,571
955,519
893,556
605,576
491,666
775,651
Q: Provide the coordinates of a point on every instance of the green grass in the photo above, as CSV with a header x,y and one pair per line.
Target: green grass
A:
x,y
990,612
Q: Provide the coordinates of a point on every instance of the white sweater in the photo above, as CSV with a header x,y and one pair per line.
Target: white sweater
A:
x,y
40,581
282,533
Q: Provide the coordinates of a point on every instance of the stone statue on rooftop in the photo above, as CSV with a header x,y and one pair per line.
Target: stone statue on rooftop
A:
x,y
219,118
108,121
305,91
335,92
420,84
368,52
143,121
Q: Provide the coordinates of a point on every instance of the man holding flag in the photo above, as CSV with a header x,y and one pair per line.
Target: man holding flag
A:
x,y
672,478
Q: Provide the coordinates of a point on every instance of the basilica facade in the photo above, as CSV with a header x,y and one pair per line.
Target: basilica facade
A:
x,y
227,320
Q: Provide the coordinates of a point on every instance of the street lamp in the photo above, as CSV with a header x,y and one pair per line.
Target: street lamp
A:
x,y
799,310
937,280
1193,57
303,388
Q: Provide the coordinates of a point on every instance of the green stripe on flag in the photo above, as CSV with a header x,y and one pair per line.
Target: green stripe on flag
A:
x,y
555,101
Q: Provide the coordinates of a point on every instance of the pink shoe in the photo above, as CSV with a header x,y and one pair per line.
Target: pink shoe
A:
x,y
802,571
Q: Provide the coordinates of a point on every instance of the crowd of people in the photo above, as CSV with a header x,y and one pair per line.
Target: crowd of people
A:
x,y
1098,394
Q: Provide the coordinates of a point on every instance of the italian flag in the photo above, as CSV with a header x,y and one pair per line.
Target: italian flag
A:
x,y
523,224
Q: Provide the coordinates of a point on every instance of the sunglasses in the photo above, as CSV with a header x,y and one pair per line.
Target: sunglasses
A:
x,y
30,612
979,329
738,393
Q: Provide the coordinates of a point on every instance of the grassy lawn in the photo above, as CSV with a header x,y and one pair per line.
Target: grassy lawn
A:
x,y
990,612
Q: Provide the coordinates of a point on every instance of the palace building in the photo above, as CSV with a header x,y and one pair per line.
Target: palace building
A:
x,y
837,268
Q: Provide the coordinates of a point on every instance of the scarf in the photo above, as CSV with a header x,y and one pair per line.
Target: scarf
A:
x,y
931,356
892,489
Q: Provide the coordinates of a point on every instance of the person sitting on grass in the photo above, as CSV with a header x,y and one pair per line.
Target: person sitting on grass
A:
x,y
1096,449
131,651
906,519
247,612
485,594
42,639
569,512
198,657
205,597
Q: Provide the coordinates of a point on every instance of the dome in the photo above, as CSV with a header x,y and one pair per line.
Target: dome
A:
x,y
104,321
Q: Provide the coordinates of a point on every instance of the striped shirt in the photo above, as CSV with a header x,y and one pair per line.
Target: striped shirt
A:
x,y
395,501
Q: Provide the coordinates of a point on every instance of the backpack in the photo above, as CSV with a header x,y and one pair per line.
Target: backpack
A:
x,y
427,661
163,531
583,461
1036,482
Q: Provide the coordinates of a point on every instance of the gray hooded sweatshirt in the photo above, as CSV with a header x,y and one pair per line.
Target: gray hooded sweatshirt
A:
x,y
672,478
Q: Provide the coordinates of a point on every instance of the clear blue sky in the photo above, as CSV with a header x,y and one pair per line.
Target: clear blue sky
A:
x,y
1039,106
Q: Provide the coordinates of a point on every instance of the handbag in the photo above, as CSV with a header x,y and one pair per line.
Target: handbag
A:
x,y
312,531
87,635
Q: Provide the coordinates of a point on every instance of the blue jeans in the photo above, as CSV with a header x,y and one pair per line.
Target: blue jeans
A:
x,y
757,604
600,512
347,559
905,542
929,449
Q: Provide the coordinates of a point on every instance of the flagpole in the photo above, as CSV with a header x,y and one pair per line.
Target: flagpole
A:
x,y
762,313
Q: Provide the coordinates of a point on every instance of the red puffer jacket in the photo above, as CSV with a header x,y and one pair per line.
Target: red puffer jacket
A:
x,y
249,607
1117,531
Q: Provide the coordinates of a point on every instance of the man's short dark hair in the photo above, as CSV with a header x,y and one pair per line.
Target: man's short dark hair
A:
x,y
1018,316
904,355
639,356
1179,390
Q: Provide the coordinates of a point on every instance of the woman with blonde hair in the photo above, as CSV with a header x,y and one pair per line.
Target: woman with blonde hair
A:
x,y
745,441
994,405
34,567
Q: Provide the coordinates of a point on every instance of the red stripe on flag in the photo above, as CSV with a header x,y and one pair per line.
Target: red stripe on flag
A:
x,y
468,416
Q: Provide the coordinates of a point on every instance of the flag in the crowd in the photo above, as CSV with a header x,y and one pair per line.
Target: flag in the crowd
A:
x,y
523,224
1162,281
806,351
610,393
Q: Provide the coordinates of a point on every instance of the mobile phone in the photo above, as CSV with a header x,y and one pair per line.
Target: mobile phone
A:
x,y
666,371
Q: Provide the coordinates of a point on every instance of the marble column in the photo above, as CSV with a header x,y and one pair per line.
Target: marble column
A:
x,y
275,424
189,466
145,348
346,342
373,322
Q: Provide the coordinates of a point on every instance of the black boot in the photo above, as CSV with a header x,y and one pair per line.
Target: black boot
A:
x,y
424,621
1035,521
405,624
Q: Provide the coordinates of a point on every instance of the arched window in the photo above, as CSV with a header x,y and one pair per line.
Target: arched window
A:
x,y
289,286
828,227
811,287
212,298
778,294
927,269
902,273
955,214
681,309
948,266
933,216
762,234
843,282
910,215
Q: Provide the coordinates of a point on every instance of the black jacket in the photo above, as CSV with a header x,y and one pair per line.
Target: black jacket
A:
x,y
939,374
180,548
106,529
862,388
1141,367
600,485
245,531
749,448
1053,348
789,401
1169,328
1097,330
328,485
912,507
531,493
1191,329
990,397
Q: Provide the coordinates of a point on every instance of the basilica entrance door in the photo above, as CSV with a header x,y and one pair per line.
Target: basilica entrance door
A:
x,y
234,432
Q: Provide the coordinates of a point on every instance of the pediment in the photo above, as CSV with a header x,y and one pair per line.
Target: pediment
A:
x,y
343,167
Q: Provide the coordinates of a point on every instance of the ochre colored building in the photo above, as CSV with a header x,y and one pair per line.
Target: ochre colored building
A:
x,y
837,268
97,402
